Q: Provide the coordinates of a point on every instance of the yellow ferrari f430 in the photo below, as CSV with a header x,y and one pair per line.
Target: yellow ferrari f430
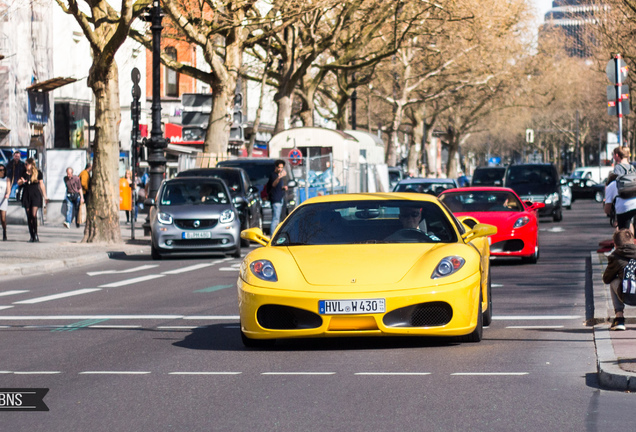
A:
x,y
367,265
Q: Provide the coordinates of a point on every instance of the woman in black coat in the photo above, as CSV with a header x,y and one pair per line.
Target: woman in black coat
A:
x,y
33,196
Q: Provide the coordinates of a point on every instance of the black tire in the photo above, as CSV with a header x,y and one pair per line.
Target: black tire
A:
x,y
478,333
488,313
257,343
558,216
237,252
245,242
532,259
154,253
568,207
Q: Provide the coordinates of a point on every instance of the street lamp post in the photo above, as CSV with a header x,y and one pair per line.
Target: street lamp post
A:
x,y
157,143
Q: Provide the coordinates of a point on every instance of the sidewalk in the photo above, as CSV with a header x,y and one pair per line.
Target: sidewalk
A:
x,y
615,350
61,248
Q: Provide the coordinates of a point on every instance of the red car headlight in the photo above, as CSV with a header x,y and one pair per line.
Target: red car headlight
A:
x,y
521,222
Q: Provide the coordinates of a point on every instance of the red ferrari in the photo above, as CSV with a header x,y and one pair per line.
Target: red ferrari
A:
x,y
516,221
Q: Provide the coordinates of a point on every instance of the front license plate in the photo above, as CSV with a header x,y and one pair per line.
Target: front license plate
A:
x,y
197,235
342,307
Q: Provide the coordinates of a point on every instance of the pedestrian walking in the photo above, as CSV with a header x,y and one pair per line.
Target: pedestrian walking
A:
x,y
15,170
5,191
131,215
74,198
85,179
276,187
33,196
624,208
624,250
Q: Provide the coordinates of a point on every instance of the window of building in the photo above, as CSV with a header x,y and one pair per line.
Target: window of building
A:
x,y
172,77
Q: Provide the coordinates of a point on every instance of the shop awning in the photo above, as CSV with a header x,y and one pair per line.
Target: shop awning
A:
x,y
51,84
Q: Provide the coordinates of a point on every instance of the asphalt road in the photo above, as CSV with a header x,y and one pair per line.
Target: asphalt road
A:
x,y
141,345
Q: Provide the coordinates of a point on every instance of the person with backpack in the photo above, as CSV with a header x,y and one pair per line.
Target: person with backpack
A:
x,y
620,193
615,273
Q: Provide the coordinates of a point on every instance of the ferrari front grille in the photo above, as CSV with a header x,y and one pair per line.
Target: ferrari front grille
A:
x,y
514,245
432,314
276,317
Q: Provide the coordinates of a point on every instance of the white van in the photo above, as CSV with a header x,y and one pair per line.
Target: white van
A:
x,y
596,173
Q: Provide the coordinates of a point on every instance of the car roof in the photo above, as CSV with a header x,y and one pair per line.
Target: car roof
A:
x,y
375,196
479,189
416,180
264,161
202,171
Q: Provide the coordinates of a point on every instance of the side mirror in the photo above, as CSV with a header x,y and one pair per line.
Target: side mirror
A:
x,y
255,235
292,184
149,202
468,221
480,230
253,190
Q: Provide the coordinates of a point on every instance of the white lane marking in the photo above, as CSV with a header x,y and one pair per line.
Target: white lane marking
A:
x,y
115,326
131,281
130,270
393,373
37,373
535,317
494,285
113,317
187,269
177,327
5,307
229,269
489,373
14,292
205,373
114,373
298,373
535,327
57,296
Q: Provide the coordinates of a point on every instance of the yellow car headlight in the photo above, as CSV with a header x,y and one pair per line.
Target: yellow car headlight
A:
x,y
447,266
264,269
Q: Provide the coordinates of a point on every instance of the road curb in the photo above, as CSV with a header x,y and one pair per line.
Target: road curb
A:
x,y
610,375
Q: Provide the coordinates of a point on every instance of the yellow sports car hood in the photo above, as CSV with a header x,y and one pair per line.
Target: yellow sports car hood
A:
x,y
358,266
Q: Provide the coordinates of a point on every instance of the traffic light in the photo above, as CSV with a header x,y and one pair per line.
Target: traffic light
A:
x,y
237,132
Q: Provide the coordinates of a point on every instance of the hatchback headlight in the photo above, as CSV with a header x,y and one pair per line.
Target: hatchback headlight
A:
x,y
447,266
164,218
227,216
521,222
264,269
552,198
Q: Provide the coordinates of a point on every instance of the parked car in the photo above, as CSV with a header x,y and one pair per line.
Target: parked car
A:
x,y
259,170
351,265
586,188
488,176
595,173
537,183
431,186
517,225
395,176
194,215
245,196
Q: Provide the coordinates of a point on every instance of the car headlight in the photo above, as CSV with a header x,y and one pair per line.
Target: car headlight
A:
x,y
552,198
447,266
227,216
521,222
264,269
164,218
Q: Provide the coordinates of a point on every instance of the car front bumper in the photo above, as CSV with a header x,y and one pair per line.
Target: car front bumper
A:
x,y
461,299
222,238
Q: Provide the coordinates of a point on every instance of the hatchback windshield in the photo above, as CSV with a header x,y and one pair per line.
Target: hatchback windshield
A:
x,y
358,222
482,201
200,192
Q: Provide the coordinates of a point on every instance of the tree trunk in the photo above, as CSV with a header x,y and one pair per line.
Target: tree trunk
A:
x,y
415,156
307,111
218,132
453,149
283,119
102,219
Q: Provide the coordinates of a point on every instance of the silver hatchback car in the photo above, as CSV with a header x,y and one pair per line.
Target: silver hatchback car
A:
x,y
194,215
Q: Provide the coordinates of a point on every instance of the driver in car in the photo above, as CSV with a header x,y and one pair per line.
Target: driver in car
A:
x,y
410,217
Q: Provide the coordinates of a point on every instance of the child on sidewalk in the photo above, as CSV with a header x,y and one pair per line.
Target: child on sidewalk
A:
x,y
624,250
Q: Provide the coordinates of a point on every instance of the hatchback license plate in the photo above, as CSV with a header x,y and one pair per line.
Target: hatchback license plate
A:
x,y
343,307
197,235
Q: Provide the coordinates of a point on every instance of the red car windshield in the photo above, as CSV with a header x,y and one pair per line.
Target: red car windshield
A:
x,y
481,201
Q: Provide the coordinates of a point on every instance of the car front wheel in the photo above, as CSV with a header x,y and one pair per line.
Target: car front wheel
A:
x,y
154,252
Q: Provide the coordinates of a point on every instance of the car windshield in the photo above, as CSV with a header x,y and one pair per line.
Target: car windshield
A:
x,y
431,188
488,176
193,193
231,178
534,175
258,172
481,201
359,222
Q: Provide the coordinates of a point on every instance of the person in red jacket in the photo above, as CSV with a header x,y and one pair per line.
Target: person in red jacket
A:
x,y
624,250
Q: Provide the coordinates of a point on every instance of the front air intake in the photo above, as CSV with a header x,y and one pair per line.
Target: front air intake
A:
x,y
433,314
276,317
